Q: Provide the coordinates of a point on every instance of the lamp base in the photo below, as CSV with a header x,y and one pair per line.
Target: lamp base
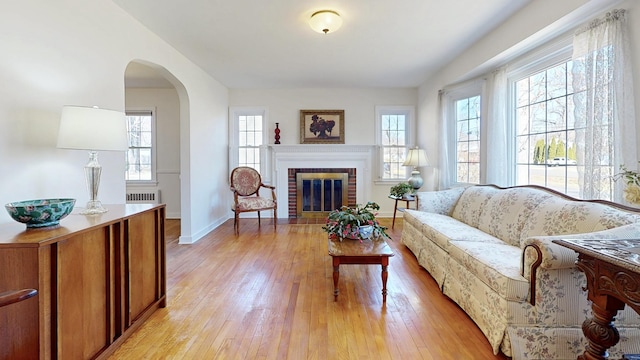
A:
x,y
415,180
92,173
94,207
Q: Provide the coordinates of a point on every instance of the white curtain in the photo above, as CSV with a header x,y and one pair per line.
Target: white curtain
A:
x,y
498,163
444,175
604,111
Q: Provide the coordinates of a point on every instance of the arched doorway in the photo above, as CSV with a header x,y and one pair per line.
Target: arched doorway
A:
x,y
150,88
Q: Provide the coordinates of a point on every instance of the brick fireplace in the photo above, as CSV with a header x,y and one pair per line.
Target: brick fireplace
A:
x,y
284,161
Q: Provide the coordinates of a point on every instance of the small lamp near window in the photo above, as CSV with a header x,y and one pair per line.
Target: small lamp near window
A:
x,y
92,129
416,158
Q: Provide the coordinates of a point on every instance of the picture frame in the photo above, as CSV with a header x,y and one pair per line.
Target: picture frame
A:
x,y
321,126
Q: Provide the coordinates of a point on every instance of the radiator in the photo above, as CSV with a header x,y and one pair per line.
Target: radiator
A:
x,y
143,196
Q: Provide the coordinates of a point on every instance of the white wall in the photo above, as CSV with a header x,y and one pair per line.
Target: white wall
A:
x,y
166,104
284,107
75,52
536,24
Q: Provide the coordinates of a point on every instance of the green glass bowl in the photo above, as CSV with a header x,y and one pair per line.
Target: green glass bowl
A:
x,y
40,213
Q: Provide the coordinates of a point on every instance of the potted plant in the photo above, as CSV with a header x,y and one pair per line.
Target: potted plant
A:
x,y
401,190
357,222
632,181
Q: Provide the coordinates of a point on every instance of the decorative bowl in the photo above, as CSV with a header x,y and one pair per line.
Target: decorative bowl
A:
x,y
365,231
40,213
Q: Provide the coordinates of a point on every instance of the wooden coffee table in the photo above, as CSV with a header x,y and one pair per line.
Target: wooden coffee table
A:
x,y
365,252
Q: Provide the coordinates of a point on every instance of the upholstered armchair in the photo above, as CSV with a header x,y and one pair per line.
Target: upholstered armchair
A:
x,y
245,185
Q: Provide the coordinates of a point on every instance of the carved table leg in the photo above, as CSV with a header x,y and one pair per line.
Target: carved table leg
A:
x,y
385,275
336,277
600,330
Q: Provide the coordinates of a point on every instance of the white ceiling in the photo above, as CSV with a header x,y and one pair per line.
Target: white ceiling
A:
x,y
269,44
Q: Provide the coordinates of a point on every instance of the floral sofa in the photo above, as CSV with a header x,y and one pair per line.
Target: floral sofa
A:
x,y
490,250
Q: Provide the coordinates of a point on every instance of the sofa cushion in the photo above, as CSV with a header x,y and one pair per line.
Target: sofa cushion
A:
x,y
441,229
558,216
439,202
506,212
471,203
496,265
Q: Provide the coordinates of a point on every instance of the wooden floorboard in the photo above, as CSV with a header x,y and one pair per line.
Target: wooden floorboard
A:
x,y
268,294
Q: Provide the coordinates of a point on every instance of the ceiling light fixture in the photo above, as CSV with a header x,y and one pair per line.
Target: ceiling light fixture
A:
x,y
325,21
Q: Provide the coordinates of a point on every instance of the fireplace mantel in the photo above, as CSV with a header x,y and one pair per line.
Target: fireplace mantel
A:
x,y
280,158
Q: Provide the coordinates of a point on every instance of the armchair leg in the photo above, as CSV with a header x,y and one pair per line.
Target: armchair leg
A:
x,y
275,219
236,224
258,218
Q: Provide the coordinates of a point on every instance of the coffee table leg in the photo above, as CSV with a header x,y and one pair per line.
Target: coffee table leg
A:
x,y
385,275
336,277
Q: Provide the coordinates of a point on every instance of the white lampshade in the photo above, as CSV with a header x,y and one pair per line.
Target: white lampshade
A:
x,y
92,128
416,158
325,21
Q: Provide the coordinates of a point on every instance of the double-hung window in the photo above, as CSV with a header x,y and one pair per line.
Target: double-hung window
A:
x,y
462,116
248,135
140,159
394,125
467,119
545,133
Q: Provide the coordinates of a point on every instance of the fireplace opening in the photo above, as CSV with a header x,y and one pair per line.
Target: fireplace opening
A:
x,y
319,193
320,190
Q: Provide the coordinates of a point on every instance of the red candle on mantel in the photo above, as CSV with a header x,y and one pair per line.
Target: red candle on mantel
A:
x,y
277,131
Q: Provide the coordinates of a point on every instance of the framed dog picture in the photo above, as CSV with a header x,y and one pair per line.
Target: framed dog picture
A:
x,y
321,126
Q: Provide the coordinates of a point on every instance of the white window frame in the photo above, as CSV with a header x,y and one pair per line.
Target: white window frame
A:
x,y
464,91
538,60
234,115
409,113
154,175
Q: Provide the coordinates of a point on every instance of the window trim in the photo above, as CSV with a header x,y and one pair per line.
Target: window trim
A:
x,y
410,135
543,58
459,92
154,176
234,113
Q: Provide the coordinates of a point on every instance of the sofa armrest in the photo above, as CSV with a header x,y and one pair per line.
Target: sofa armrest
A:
x,y
439,202
539,252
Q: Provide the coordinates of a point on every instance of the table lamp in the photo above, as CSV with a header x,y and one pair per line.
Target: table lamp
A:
x,y
92,129
416,158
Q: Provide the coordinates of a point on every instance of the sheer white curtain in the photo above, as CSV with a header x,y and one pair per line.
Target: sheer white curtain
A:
x,y
604,110
444,178
498,162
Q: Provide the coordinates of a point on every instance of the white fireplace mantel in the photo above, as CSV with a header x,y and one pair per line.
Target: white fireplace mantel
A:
x,y
280,158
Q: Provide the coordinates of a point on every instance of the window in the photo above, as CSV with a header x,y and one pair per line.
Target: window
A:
x,y
249,140
140,156
545,129
467,116
394,131
248,136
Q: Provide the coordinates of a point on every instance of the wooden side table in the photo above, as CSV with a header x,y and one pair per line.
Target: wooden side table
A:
x,y
407,200
612,268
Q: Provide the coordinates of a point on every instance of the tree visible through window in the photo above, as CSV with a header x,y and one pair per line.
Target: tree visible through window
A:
x,y
249,140
394,145
545,130
139,156
468,139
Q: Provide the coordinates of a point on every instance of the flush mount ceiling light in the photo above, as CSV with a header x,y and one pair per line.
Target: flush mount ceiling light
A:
x,y
325,21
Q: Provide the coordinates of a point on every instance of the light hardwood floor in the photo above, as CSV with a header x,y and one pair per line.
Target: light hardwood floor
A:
x,y
269,295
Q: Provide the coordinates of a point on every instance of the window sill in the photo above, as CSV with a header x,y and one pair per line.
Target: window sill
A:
x,y
141,183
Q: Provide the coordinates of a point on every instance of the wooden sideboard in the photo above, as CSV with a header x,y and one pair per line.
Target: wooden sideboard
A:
x,y
98,277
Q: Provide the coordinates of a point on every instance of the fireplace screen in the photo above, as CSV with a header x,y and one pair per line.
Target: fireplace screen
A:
x,y
319,193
